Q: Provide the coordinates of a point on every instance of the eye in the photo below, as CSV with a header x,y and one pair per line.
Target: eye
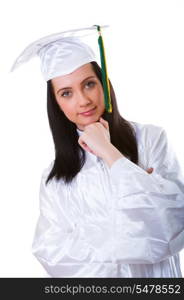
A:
x,y
66,94
90,84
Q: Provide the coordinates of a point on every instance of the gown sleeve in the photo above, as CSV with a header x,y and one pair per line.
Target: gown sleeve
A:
x,y
58,243
148,208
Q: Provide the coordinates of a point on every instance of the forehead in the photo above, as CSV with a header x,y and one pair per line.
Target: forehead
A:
x,y
77,76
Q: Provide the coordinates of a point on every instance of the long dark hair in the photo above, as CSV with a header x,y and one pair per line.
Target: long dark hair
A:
x,y
69,156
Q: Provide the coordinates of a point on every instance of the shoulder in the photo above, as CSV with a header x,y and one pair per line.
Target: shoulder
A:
x,y
147,128
44,175
46,171
52,184
147,132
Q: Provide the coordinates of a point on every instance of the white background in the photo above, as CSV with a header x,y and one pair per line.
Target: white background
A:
x,y
145,57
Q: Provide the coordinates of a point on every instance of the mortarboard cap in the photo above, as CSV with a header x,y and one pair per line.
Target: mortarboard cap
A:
x,y
64,52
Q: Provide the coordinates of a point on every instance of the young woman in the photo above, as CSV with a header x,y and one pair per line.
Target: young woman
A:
x,y
112,200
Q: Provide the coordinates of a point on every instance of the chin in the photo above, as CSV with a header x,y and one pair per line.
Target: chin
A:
x,y
92,121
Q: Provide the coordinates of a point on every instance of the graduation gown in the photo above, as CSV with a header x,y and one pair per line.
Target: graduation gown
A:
x,y
116,221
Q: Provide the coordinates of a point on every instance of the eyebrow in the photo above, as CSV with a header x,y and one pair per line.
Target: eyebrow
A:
x,y
90,77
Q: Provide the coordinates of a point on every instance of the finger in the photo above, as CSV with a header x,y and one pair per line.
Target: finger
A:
x,y
84,146
150,170
104,123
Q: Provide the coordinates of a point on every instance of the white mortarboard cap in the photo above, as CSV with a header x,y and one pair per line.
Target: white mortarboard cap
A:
x,y
64,52
60,53
64,56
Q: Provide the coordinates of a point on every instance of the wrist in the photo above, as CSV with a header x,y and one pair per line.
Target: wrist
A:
x,y
111,155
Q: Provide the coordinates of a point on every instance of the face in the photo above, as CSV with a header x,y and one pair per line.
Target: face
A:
x,y
80,96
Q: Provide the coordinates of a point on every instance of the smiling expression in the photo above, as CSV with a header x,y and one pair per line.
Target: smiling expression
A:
x,y
80,96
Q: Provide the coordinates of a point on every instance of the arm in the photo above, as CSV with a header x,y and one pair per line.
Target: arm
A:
x,y
147,224
111,154
148,208
58,243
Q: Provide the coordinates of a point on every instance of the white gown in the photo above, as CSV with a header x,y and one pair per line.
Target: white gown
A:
x,y
118,221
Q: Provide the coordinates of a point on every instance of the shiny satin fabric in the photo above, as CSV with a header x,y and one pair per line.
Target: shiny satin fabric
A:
x,y
118,221
60,53
64,56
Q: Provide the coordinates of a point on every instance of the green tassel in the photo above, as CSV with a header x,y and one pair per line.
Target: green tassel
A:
x,y
105,80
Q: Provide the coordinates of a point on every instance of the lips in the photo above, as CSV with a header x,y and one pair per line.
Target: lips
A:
x,y
86,112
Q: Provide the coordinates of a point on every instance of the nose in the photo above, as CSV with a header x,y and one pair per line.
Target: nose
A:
x,y
83,99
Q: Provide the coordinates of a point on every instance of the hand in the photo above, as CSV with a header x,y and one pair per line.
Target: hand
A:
x,y
149,170
96,137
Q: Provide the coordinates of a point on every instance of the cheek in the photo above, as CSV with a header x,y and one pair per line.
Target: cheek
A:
x,y
67,109
100,97
62,105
